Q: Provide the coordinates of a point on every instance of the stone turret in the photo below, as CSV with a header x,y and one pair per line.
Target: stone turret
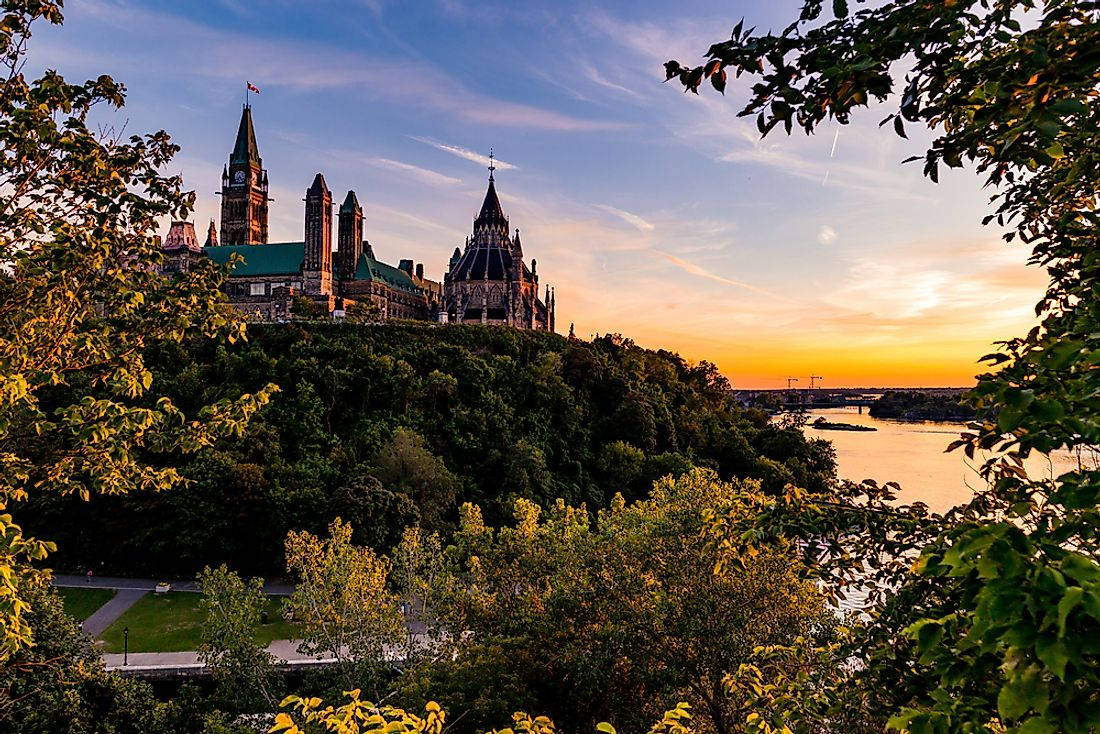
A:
x,y
181,248
317,261
349,239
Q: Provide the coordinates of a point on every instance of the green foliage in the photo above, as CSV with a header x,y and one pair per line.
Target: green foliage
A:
x,y
608,618
921,406
363,312
59,684
240,665
995,626
343,602
405,465
305,308
509,413
81,300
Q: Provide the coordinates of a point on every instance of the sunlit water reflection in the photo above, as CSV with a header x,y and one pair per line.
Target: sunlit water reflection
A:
x,y
912,454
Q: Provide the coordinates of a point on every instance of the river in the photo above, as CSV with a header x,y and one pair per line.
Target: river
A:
x,y
912,454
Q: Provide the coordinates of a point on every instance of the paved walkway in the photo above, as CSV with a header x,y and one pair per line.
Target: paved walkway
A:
x,y
102,618
272,588
285,651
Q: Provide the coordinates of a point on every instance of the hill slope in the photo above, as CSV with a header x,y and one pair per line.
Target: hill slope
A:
x,y
391,424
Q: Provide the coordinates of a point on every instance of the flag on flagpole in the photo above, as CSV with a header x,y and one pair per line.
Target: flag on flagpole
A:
x,y
252,87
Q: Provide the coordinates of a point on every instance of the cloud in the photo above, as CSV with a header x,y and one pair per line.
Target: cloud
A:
x,y
694,269
826,235
915,291
466,153
423,174
593,75
214,53
632,219
801,158
681,39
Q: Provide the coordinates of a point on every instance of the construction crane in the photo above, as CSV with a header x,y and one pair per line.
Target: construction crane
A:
x,y
790,380
814,377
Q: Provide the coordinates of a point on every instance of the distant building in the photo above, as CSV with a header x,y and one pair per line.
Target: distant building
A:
x,y
488,282
181,247
272,275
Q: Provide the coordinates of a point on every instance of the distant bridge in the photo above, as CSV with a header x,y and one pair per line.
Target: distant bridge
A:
x,y
861,404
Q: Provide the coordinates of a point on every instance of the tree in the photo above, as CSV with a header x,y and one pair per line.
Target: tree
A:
x,y
358,716
404,464
240,666
342,602
81,299
59,684
305,308
985,630
363,312
378,515
612,618
510,413
355,717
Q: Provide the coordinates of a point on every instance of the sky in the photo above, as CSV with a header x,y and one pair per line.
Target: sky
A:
x,y
655,214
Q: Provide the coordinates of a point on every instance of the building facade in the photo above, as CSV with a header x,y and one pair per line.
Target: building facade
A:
x,y
486,283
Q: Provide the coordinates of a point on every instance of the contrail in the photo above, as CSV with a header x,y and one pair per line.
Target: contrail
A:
x,y
832,153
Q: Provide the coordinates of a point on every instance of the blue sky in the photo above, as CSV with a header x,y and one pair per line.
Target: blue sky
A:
x,y
655,214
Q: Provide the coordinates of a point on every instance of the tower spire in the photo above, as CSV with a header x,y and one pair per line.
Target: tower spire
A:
x,y
492,167
245,149
244,189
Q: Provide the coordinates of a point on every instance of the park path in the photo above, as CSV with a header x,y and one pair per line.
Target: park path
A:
x,y
129,591
102,618
284,651
271,588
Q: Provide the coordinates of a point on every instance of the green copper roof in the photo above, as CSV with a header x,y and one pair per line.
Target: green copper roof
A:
x,y
285,258
282,258
371,269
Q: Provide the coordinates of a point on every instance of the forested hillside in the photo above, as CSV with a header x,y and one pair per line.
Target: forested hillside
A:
x,y
390,425
920,406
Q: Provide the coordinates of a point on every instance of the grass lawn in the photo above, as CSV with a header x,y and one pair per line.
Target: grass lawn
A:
x,y
173,622
80,603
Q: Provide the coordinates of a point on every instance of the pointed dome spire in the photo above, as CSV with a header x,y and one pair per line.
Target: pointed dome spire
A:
x,y
245,150
350,202
318,186
491,212
211,235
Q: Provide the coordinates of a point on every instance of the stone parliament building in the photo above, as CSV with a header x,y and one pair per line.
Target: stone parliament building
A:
x,y
486,281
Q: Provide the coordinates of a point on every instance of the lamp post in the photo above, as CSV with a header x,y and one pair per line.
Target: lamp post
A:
x,y
125,645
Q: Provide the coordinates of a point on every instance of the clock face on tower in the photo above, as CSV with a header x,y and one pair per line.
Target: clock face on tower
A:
x,y
238,178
